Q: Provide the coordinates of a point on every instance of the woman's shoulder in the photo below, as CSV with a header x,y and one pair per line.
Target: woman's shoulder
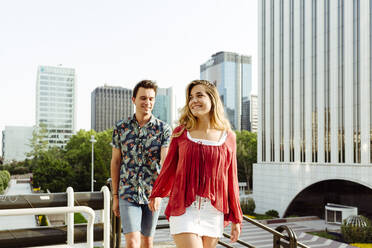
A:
x,y
231,137
178,131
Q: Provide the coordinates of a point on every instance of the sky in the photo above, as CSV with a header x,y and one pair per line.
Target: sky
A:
x,y
116,43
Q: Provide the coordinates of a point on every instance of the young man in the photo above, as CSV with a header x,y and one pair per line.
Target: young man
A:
x,y
140,145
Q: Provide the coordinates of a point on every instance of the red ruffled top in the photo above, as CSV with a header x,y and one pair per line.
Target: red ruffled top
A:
x,y
192,169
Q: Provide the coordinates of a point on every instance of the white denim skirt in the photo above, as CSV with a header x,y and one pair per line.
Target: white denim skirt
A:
x,y
200,218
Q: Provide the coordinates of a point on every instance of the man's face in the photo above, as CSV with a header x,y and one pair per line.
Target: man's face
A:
x,y
144,101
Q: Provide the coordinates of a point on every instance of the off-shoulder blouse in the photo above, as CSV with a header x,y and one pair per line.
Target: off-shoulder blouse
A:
x,y
192,168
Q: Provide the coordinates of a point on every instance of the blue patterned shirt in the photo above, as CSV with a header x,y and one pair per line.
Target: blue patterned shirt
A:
x,y
140,156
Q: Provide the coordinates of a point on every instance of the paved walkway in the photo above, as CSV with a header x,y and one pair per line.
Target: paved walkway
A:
x,y
16,222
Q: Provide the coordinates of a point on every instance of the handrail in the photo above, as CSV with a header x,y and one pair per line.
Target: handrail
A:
x,y
277,233
93,200
57,210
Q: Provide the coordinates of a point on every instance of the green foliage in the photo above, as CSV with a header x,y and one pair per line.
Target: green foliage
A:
x,y
17,168
4,180
38,142
246,152
79,154
357,234
52,171
324,234
248,206
272,213
1,186
56,169
79,218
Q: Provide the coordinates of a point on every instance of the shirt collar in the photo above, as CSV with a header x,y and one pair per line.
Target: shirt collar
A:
x,y
152,120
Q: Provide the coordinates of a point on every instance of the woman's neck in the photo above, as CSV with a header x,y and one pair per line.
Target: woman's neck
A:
x,y
203,125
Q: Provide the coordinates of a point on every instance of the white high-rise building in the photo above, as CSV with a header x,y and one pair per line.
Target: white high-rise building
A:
x,y
56,102
315,106
15,143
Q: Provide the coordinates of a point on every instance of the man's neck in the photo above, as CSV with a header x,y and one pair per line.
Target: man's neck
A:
x,y
142,119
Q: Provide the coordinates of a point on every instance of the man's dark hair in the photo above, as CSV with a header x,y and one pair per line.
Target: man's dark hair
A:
x,y
147,84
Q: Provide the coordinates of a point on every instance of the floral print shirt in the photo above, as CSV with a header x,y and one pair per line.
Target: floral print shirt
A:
x,y
140,156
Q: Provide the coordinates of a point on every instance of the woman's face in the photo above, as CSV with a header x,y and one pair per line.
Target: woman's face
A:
x,y
199,102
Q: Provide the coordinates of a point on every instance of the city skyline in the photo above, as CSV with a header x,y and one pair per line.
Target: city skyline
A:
x,y
116,43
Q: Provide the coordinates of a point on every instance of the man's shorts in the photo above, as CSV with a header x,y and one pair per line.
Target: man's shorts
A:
x,y
137,218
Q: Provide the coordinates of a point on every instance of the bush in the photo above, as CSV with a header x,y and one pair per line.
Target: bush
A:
x,y
352,233
272,213
248,206
5,178
1,186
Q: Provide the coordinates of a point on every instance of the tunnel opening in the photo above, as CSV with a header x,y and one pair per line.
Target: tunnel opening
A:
x,y
312,200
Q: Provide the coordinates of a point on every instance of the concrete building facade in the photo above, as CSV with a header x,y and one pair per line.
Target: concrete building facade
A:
x,y
315,105
254,113
109,105
15,142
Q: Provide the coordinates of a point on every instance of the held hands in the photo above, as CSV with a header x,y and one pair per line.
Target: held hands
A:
x,y
235,232
154,204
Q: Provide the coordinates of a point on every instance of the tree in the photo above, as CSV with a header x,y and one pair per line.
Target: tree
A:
x,y
51,171
38,142
246,152
79,153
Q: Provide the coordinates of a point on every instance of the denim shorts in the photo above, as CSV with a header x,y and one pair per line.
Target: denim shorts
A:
x,y
137,218
200,218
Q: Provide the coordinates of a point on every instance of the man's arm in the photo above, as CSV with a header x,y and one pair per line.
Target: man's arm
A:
x,y
163,154
115,174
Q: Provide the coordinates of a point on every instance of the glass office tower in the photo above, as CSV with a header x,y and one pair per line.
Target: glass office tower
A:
x,y
56,102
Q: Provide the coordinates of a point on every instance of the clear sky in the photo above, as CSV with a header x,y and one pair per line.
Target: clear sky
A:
x,y
116,43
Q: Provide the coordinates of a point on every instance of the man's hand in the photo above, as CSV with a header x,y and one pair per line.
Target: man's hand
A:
x,y
235,232
154,204
115,206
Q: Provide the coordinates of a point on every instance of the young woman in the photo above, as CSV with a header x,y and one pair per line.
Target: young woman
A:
x,y
200,172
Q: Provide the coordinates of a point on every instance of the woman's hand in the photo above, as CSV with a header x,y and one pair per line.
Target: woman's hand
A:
x,y
154,204
235,232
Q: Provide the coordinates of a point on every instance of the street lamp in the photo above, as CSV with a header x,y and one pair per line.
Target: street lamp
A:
x,y
92,182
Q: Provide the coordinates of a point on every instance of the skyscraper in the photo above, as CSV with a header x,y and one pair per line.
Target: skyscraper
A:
x,y
232,74
164,105
315,106
15,143
109,105
56,102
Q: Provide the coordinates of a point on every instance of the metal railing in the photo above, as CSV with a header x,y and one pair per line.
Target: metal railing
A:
x,y
288,240
58,210
70,233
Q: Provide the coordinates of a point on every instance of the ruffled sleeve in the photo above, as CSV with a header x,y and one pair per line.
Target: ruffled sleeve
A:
x,y
235,213
165,180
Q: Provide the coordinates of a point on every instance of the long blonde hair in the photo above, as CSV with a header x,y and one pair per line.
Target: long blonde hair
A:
x,y
217,114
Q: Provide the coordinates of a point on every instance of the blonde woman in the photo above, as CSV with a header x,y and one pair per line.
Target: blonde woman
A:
x,y
200,172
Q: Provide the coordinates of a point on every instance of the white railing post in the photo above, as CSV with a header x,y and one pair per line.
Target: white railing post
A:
x,y
70,216
106,216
